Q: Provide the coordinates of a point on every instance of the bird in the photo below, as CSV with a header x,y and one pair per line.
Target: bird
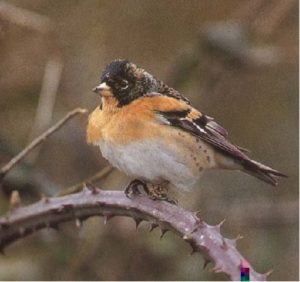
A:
x,y
152,133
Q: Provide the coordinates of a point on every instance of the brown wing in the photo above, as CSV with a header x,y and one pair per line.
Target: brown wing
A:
x,y
205,128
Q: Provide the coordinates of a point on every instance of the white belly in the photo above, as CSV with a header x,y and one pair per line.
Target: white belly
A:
x,y
150,161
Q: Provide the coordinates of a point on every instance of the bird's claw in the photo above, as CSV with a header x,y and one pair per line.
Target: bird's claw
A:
x,y
133,188
158,193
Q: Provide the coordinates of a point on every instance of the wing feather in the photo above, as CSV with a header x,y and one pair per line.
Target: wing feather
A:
x,y
205,128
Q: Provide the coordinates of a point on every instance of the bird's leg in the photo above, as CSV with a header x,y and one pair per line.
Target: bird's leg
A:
x,y
156,191
133,188
160,192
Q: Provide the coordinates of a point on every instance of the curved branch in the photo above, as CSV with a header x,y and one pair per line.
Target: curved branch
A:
x,y
92,201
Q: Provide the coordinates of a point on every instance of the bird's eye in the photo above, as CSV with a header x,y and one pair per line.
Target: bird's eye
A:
x,y
124,84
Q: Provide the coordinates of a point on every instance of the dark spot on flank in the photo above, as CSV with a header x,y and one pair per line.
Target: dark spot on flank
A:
x,y
205,151
200,147
200,168
197,164
194,158
208,158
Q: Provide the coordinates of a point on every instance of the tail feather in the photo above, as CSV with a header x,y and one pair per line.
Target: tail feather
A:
x,y
262,171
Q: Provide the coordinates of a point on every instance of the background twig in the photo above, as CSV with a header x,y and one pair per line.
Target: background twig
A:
x,y
25,18
5,169
78,187
47,97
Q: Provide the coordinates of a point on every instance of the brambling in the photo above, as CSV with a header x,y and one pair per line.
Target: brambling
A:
x,y
151,132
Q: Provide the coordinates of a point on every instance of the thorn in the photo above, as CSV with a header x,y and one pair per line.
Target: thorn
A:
x,y
194,249
206,262
83,218
137,222
197,213
218,226
15,200
91,188
63,208
192,252
153,226
268,273
54,226
221,223
78,223
217,269
107,217
199,220
224,245
198,216
187,237
163,232
239,237
45,199
195,229
85,187
59,209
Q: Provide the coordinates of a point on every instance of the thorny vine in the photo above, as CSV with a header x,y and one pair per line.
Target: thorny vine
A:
x,y
204,238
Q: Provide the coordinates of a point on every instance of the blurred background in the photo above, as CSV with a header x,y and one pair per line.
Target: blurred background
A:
x,y
235,60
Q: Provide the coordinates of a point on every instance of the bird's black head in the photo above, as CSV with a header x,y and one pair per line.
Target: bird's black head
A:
x,y
126,82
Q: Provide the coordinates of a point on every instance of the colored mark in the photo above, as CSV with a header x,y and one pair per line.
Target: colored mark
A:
x,y
245,271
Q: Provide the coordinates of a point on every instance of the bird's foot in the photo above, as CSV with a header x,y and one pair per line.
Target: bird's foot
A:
x,y
155,192
133,188
159,192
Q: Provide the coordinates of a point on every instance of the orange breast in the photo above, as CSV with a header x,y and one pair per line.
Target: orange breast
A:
x,y
94,127
133,122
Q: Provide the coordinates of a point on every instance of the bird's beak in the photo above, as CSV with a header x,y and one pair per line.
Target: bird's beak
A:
x,y
103,89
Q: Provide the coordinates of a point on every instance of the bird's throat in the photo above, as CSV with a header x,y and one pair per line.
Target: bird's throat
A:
x,y
109,103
